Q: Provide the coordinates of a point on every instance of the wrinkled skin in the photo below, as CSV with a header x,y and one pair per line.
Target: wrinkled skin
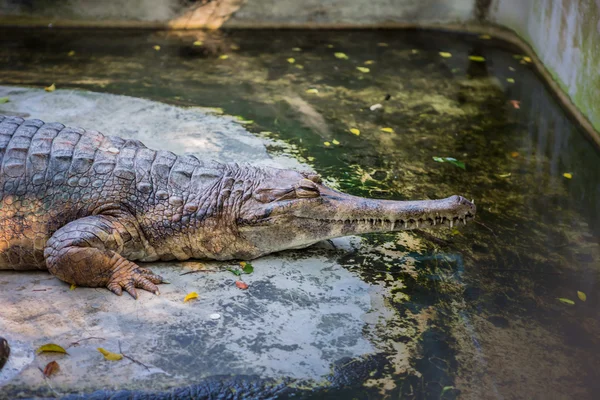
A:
x,y
85,206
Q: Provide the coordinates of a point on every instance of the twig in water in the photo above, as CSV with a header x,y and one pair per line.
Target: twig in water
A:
x,y
486,227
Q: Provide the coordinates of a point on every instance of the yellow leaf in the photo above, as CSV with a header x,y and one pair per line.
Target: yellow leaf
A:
x,y
223,57
71,53
507,175
190,296
243,263
514,154
510,80
581,296
445,54
291,60
566,301
388,130
568,175
156,47
109,355
364,70
312,91
50,88
198,43
369,62
477,58
327,144
355,131
73,287
51,348
335,141
527,59
341,56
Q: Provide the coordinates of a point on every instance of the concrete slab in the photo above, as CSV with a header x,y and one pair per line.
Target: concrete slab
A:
x,y
302,313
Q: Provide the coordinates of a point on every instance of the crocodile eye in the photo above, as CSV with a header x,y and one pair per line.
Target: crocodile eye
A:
x,y
306,188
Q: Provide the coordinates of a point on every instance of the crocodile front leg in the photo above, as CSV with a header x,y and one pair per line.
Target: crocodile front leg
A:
x,y
88,252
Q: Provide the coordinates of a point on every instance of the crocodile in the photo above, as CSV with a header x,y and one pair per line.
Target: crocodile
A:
x,y
88,207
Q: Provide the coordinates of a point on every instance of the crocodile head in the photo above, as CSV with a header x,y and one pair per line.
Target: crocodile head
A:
x,y
289,209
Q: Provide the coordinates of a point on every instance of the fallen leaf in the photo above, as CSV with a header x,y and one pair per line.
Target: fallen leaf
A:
x,y
566,301
241,285
335,141
190,296
4,100
445,54
485,37
507,175
388,130
198,43
450,160
236,272
156,47
581,296
291,60
223,57
369,62
381,44
477,58
341,56
110,356
312,91
364,70
71,53
73,287
517,56
527,59
514,154
51,348
568,175
355,131
247,268
327,144
51,369
516,104
50,88
296,49
510,80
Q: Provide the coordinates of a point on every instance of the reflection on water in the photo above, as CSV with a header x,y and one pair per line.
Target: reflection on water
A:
x,y
483,300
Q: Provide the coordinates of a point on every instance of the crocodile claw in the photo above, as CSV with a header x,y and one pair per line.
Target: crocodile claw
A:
x,y
141,278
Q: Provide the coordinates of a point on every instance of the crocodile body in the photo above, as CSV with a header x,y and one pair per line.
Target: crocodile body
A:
x,y
85,206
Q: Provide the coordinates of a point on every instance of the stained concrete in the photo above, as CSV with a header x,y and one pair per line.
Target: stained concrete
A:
x,y
302,313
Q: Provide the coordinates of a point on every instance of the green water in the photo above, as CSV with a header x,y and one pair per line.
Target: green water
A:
x,y
478,309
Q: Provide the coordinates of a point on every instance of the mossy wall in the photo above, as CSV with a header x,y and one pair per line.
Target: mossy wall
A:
x,y
565,34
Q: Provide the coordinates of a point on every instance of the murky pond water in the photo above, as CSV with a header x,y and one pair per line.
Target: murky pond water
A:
x,y
507,307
